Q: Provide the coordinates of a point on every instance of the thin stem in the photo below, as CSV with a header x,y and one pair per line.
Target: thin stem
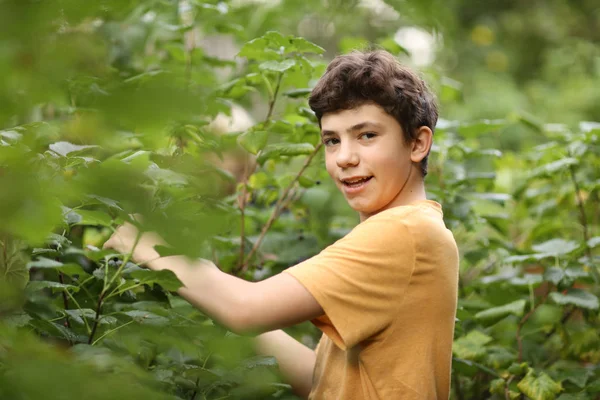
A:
x,y
65,300
242,204
87,326
274,97
507,389
278,208
97,319
584,224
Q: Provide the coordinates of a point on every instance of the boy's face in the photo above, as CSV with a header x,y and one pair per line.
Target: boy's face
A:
x,y
367,157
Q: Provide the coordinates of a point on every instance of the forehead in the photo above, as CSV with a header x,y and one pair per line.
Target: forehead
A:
x,y
343,120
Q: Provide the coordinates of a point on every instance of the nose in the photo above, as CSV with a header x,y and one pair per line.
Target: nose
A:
x,y
347,155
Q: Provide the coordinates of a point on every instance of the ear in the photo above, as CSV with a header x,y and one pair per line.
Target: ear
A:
x,y
421,144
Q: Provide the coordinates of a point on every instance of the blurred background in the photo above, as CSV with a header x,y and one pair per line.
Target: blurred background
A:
x,y
194,113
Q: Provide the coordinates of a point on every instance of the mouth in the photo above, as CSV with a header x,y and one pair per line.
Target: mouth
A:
x,y
355,182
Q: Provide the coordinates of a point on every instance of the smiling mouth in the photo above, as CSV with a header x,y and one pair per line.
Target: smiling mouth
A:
x,y
355,182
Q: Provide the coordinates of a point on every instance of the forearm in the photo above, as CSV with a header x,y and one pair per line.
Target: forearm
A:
x,y
296,361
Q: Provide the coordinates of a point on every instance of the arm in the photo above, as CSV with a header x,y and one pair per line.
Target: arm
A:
x,y
241,306
296,361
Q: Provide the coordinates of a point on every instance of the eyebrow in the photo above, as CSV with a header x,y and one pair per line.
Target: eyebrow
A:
x,y
354,128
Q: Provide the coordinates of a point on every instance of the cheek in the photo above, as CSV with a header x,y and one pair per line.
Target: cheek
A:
x,y
330,165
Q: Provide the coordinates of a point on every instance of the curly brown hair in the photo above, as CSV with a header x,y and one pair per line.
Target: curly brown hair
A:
x,y
357,78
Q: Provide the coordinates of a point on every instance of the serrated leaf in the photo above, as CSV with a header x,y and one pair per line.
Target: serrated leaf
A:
x,y
146,317
275,151
527,258
277,66
515,308
471,346
43,262
540,387
259,361
553,167
88,218
55,286
253,141
65,148
165,278
576,297
13,267
16,320
301,45
526,280
254,49
106,201
556,247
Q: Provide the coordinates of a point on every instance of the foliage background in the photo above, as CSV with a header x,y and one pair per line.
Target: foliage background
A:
x,y
194,114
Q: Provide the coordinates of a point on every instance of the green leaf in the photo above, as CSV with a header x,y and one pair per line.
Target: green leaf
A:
x,y
556,247
276,151
88,217
16,320
392,46
527,280
277,66
55,286
515,308
165,278
301,45
471,346
65,148
554,275
578,376
296,93
540,387
593,242
553,167
43,262
146,317
255,49
13,268
576,297
253,141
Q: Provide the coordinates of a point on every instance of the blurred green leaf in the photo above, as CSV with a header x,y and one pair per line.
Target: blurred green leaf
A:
x,y
576,297
515,308
276,151
253,141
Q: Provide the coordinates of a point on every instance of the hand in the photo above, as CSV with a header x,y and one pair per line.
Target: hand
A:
x,y
124,238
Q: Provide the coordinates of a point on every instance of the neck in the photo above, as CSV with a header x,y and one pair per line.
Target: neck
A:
x,y
412,191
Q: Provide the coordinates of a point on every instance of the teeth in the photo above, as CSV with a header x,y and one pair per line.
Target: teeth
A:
x,y
351,182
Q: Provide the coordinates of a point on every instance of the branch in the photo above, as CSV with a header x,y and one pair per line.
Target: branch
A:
x,y
278,208
97,319
274,98
242,200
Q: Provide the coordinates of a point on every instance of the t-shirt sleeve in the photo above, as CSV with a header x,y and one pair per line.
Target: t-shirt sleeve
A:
x,y
360,280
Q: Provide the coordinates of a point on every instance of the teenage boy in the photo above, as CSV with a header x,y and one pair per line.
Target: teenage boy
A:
x,y
384,295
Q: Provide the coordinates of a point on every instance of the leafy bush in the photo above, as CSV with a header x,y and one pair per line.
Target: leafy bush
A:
x,y
110,110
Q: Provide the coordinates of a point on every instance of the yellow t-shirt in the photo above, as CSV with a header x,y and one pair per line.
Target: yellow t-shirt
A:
x,y
389,292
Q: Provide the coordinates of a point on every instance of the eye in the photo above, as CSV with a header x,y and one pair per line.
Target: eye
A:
x,y
330,141
368,135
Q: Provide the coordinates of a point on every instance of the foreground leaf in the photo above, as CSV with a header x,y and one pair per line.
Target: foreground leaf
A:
x,y
540,387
